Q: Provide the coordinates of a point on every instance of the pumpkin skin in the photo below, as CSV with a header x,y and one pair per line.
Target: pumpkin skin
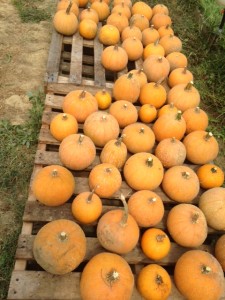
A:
x,y
124,112
114,58
160,19
103,98
210,176
177,60
170,43
212,203
89,13
149,35
196,119
126,2
107,276
156,68
138,137
101,127
140,21
160,9
201,147
171,152
153,93
82,3
88,29
80,104
219,250
187,225
77,152
109,35
147,113
142,8
59,246
105,179
118,20
117,230
101,8
123,9
57,176
198,275
131,31
165,30
167,108
133,47
153,282
181,184
180,75
143,171
63,125
155,243
139,73
146,207
64,4
153,49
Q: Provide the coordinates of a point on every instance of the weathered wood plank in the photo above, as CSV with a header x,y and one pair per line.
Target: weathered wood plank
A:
x,y
76,59
99,71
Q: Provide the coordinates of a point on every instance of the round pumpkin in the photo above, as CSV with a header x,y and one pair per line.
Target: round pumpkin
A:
x,y
156,68
103,98
88,29
196,119
131,31
114,58
63,125
123,9
147,113
180,75
102,9
109,35
167,108
165,30
219,251
89,13
160,9
153,49
64,5
149,35
160,19
210,176
153,93
140,21
177,60
124,112
133,47
59,246
142,8
171,43
140,74
119,20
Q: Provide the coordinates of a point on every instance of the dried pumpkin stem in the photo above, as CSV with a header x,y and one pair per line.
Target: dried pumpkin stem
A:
x,y
197,109
173,140
104,118
82,94
64,117
160,237
179,115
112,277
184,70
125,106
116,47
186,175
159,82
189,86
62,236
171,105
167,26
214,169
159,279
205,269
156,42
81,138
152,27
130,75
195,218
140,71
69,8
160,59
208,136
89,198
149,161
54,173
152,200
119,140
123,221
142,130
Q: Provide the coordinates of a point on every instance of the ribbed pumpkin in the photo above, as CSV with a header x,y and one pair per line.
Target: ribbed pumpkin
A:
x,y
140,74
140,21
184,96
177,60
153,49
212,203
118,20
123,9
131,31
114,58
101,127
160,9
165,30
88,29
196,119
105,179
133,47
80,104
149,35
124,112
143,171
59,177
210,176
180,75
89,13
146,207
169,126
198,275
156,67
153,282
107,276
167,109
187,225
219,251
117,230
77,152
170,43
138,137
59,246
142,8
114,152
63,125
181,184
160,19
171,152
109,35
102,9
64,5
153,93
126,87
147,113
201,147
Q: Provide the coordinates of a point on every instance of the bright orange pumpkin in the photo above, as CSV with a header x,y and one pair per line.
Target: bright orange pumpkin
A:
x,y
210,176
63,125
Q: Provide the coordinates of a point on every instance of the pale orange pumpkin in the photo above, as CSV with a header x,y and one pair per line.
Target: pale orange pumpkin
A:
x,y
149,35
210,176
109,35
165,30
219,251
160,9
156,67
63,125
147,113
167,108
133,47
118,20
140,74
140,21
123,9
142,8
126,2
64,5
177,60
153,49
196,119
160,19
88,29
171,43
114,58
180,75
153,93
102,9
89,13
131,31
124,111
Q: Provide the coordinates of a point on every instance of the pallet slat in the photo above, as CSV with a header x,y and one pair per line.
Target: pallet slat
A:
x,y
76,59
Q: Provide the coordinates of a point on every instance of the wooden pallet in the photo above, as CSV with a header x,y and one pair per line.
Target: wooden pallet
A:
x,y
28,280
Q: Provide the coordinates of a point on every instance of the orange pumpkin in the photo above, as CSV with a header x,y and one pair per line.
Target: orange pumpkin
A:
x,y
109,35
88,29
103,98
219,251
140,21
140,74
63,125
131,31
210,176
170,43
57,176
160,9
180,75
165,30
64,5
147,113
126,2
153,93
133,47
102,9
196,119
118,20
177,60
89,13
123,9
167,108
156,68
149,35
153,49
124,112
59,246
114,58
142,8
160,19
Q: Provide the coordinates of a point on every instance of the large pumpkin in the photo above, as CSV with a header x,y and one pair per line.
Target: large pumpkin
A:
x,y
59,246
89,13
160,19
196,119
156,68
119,20
88,29
114,58
171,43
180,75
124,112
102,9
131,31
133,47
142,8
109,35
177,60
153,93
149,35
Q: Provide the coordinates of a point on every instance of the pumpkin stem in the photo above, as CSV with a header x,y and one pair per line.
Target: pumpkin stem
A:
x,y
171,105
125,106
142,130
185,70
152,27
208,136
156,42
214,169
186,175
64,117
89,198
205,269
195,218
54,173
108,170
62,236
160,59
112,277
152,200
82,94
130,75
81,138
189,86
103,91
149,162
123,221
104,118
167,26
69,8
116,47
197,109
159,279
119,140
179,115
140,71
160,237
173,140
159,82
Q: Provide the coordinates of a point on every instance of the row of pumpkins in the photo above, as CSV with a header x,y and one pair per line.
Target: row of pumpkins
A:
x,y
144,131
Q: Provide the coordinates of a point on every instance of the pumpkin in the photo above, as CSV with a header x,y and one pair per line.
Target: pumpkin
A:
x,y
109,35
77,152
143,171
171,152
180,75
219,250
177,60
57,176
165,30
65,21
184,96
153,93
210,176
212,203
126,2
118,20
167,108
114,152
160,19
86,207
123,9
140,21
117,230
140,74
102,9
156,67
114,58
63,125
181,184
124,112
131,31
146,207
196,119
103,98
126,87
106,276
106,1
106,179
170,43
169,125
138,137
142,8
89,13
133,47
63,5
101,127
80,104
155,243
153,282
149,35
153,49
59,246
160,9
187,225
198,275
88,29
147,113
201,147
82,3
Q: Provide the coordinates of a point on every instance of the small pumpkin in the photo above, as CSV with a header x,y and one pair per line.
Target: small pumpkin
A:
x,y
88,29
167,108
124,112
114,58
109,35
160,9
149,35
103,98
160,19
142,8
133,47
171,43
123,9
131,31
196,119
153,93
177,60
147,113
219,251
210,176
102,9
89,13
165,30
156,67
153,49
180,75
118,20
63,125
126,2
140,74
140,21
